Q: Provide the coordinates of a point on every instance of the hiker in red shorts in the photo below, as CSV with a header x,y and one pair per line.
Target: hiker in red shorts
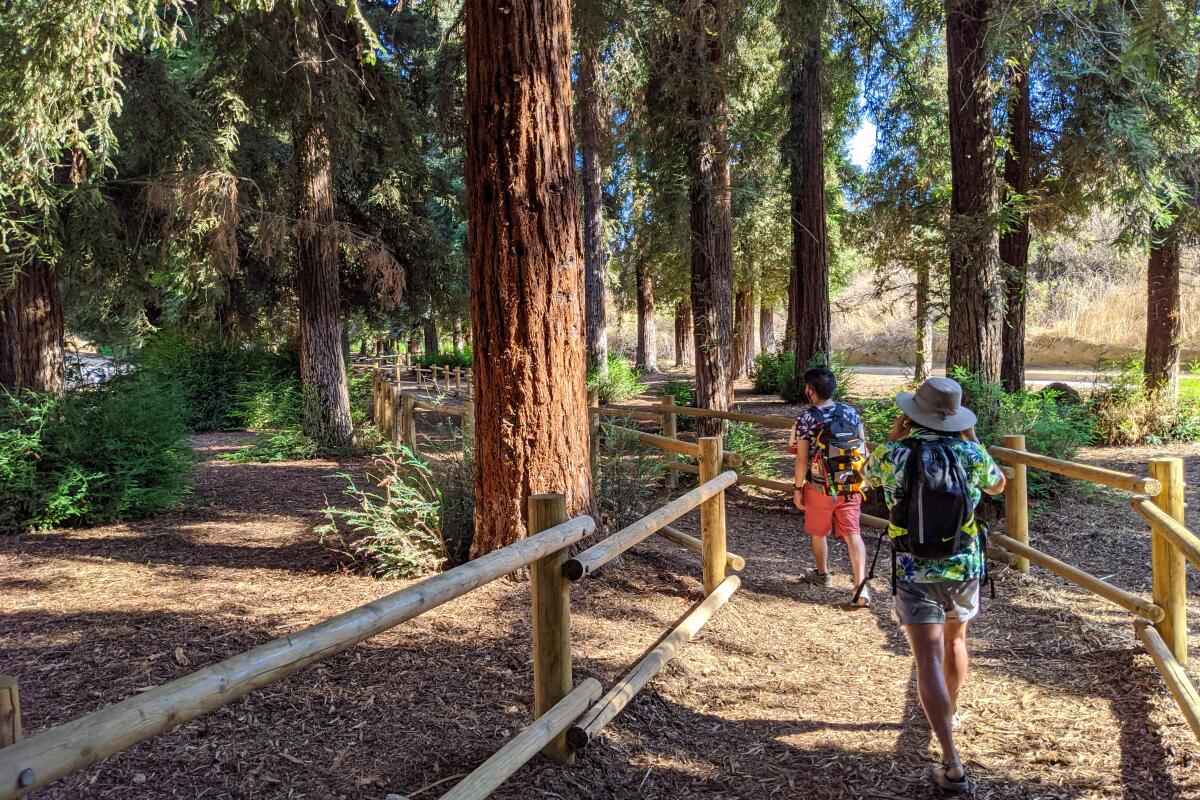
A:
x,y
826,507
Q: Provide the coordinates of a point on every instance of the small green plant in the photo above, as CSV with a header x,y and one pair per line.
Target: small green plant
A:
x,y
766,371
287,444
620,384
447,358
683,392
758,455
625,479
269,397
394,528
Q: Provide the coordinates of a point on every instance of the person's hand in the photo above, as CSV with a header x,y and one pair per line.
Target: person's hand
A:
x,y
901,428
969,435
798,498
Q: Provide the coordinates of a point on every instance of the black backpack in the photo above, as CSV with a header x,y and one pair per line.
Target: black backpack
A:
x,y
935,501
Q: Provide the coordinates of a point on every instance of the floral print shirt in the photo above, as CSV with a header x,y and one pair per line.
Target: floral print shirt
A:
x,y
885,470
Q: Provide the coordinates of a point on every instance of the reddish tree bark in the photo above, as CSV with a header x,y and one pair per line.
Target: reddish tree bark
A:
x,y
743,323
647,334
322,368
685,351
31,332
805,149
1014,243
708,193
531,421
593,220
430,333
976,284
1162,315
766,329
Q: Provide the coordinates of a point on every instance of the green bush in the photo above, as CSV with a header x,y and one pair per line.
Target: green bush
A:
x,y
268,398
775,373
758,456
288,444
683,392
1124,414
621,383
447,358
766,371
91,456
394,530
625,479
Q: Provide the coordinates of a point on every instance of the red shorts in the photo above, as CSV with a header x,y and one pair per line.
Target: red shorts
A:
x,y
823,514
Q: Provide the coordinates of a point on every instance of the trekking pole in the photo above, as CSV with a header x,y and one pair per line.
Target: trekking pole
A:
x,y
870,572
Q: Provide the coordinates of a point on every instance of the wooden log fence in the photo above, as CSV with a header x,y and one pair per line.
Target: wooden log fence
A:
x,y
1173,673
1125,481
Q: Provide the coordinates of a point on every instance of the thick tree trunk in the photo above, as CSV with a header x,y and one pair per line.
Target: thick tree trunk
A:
x,y
708,193
743,322
413,344
322,368
647,334
1014,243
31,332
458,335
1162,316
429,330
805,147
593,222
527,286
924,312
766,328
685,351
976,283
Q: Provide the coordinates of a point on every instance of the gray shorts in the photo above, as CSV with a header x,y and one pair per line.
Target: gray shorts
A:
x,y
935,603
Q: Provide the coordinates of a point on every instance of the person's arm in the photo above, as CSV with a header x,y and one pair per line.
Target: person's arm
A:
x,y
800,473
992,471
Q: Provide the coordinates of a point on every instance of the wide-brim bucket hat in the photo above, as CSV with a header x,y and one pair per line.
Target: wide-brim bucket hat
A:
x,y
937,405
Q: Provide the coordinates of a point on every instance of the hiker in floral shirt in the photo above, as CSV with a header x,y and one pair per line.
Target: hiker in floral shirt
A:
x,y
936,597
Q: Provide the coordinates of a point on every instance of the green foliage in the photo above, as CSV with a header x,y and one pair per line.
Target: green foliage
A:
x,y
268,398
1124,414
1051,425
877,417
393,530
287,444
771,371
625,479
758,455
684,392
361,385
447,358
621,383
90,457
775,373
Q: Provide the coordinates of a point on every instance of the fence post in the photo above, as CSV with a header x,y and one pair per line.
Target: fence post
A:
x,y
458,381
1016,500
669,430
712,515
408,422
593,402
10,711
375,396
551,595
1168,568
396,369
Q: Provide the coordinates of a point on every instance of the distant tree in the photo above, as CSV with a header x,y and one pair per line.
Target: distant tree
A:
x,y
1014,240
589,23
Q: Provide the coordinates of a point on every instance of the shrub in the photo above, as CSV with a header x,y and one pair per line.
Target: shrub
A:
x,y
683,392
621,383
758,456
624,479
765,372
91,456
394,529
1125,414
447,358
269,397
775,373
287,444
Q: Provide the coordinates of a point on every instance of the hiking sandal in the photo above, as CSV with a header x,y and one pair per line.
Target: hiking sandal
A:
x,y
817,578
937,776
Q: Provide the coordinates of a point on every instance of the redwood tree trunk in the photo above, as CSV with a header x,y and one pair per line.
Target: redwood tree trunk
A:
x,y
1014,243
593,222
976,283
31,332
1162,315
743,321
414,342
647,334
429,330
322,368
458,335
685,351
924,320
708,193
766,328
531,421
805,147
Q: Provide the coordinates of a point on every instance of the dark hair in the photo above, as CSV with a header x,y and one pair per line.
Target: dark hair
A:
x,y
822,381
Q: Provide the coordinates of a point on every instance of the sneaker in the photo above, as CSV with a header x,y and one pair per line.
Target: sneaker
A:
x,y
818,578
864,598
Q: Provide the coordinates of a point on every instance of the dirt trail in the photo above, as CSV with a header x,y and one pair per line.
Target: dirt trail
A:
x,y
785,694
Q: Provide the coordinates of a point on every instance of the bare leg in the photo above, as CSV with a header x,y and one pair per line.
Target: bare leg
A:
x,y
820,553
927,647
858,557
954,667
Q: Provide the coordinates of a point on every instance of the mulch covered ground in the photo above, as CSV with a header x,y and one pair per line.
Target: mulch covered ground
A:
x,y
786,693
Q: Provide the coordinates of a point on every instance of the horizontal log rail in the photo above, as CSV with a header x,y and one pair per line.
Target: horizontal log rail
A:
x,y
782,423
526,744
1172,672
56,752
1072,469
1187,542
609,548
1127,600
625,413
732,560
438,408
673,445
624,690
